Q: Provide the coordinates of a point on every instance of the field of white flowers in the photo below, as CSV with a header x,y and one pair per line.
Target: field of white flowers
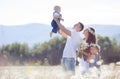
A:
x,y
111,71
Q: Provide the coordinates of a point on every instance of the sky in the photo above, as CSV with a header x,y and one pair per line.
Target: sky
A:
x,y
17,12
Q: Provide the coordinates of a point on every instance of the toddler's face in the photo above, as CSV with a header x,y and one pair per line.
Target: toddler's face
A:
x,y
94,50
57,9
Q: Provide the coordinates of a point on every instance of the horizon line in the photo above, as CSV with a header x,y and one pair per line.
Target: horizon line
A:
x,y
50,25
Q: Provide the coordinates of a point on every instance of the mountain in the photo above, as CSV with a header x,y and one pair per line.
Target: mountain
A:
x,y
29,33
37,33
107,30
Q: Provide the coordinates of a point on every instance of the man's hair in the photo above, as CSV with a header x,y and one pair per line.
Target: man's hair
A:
x,y
82,26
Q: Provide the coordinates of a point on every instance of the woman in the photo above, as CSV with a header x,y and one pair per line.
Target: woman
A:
x,y
90,38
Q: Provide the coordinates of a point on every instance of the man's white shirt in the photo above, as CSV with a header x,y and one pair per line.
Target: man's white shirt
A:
x,y
72,44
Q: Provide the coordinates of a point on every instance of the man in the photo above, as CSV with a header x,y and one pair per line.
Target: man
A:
x,y
69,53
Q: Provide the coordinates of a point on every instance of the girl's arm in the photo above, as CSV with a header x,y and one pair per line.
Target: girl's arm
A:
x,y
88,60
91,59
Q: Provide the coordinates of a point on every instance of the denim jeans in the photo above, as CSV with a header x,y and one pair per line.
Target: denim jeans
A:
x,y
69,65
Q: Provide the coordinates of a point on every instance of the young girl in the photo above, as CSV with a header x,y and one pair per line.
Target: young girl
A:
x,y
94,57
57,14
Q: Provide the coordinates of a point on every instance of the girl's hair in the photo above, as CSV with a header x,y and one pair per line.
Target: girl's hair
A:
x,y
91,36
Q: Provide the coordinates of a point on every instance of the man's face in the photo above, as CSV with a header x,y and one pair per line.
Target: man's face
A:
x,y
77,27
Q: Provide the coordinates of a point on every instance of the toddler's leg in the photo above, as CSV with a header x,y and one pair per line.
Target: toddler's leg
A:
x,y
51,34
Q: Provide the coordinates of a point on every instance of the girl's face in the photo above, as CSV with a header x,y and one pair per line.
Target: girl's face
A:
x,y
94,50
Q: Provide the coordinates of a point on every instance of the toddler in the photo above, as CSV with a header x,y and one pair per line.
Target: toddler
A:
x,y
57,14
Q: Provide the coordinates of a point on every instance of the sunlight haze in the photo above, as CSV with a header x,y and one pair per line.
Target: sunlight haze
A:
x,y
17,12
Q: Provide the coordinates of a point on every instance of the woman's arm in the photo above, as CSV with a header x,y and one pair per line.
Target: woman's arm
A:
x,y
85,53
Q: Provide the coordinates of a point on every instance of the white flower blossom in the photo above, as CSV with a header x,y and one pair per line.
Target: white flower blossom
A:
x,y
83,45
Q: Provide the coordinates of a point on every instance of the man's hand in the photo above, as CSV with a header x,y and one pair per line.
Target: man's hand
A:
x,y
66,31
55,18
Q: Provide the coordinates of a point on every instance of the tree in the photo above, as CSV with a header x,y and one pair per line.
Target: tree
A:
x,y
16,51
52,50
110,51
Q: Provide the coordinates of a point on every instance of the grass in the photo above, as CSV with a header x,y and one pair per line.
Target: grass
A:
x,y
110,71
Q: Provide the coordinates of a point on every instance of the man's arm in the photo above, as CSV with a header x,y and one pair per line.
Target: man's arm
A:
x,y
63,34
66,31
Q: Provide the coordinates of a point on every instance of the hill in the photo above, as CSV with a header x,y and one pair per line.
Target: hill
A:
x,y
29,33
107,30
37,33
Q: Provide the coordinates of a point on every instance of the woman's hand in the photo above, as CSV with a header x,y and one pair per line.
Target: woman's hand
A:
x,y
85,53
81,51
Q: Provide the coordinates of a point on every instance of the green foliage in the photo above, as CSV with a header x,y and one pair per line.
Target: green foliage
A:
x,y
16,51
50,53
16,48
110,51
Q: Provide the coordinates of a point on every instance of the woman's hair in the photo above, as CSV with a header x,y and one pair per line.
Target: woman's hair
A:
x,y
91,36
91,39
